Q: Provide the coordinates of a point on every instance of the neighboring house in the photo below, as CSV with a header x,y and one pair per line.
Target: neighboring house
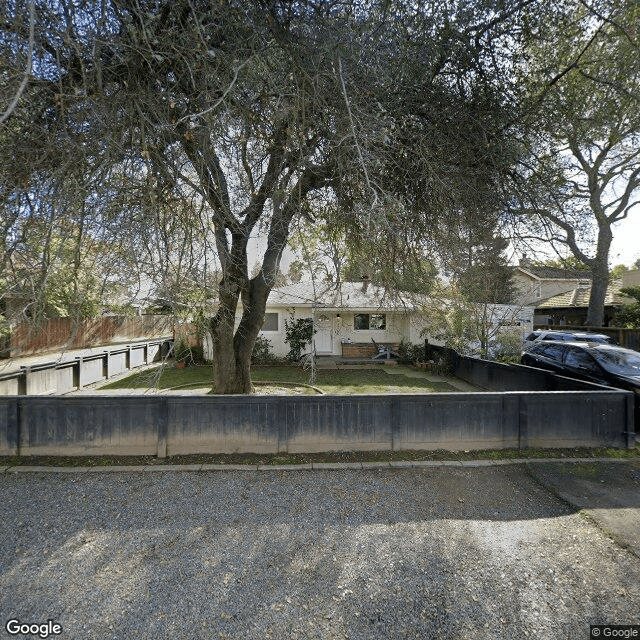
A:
x,y
570,308
349,317
534,284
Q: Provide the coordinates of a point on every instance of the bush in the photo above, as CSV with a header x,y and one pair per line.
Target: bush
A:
x,y
262,353
507,348
298,334
189,355
409,353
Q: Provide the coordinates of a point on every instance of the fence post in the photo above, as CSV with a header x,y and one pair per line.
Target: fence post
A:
x,y
394,411
105,365
523,427
163,428
630,432
77,373
22,382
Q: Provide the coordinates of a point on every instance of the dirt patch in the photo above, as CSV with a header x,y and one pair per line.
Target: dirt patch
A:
x,y
305,458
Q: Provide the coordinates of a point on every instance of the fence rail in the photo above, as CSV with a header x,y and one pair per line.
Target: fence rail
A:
x,y
62,376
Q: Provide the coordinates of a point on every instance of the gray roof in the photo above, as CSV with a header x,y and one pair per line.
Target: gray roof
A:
x,y
555,273
579,297
345,295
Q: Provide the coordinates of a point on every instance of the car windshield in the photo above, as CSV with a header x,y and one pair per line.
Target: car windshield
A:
x,y
626,363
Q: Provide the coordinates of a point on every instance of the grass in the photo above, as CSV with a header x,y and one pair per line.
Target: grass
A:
x,y
330,381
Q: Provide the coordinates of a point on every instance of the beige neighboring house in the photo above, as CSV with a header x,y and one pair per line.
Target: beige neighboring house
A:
x,y
570,307
350,317
532,284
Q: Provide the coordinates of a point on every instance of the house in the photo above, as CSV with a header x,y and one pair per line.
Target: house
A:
x,y
533,284
350,317
570,308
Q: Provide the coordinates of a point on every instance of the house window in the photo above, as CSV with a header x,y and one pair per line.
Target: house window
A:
x,y
270,322
369,321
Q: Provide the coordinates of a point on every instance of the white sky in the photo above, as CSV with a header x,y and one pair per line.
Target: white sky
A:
x,y
625,248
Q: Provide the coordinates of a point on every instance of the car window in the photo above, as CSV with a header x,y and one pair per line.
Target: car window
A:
x,y
552,337
621,361
552,351
579,359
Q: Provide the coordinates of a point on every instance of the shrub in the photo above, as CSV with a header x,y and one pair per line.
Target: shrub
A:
x,y
408,352
298,334
262,353
189,355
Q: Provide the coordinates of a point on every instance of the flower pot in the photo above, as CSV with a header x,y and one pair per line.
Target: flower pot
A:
x,y
180,365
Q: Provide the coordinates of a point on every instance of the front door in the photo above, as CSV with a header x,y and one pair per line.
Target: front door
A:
x,y
324,334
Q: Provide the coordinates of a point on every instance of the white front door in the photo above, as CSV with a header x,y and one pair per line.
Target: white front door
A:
x,y
324,334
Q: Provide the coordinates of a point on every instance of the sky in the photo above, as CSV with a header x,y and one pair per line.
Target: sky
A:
x,y
625,248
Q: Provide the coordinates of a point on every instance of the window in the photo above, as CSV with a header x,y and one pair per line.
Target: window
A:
x,y
580,360
370,321
552,351
270,322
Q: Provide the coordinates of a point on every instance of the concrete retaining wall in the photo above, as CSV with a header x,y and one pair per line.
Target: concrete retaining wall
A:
x,y
171,425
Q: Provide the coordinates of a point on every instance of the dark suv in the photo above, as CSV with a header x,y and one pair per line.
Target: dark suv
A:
x,y
600,363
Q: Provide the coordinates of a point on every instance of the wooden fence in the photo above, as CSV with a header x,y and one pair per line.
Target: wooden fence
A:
x,y
72,333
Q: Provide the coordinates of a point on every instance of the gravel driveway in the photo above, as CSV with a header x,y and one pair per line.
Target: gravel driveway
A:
x,y
388,553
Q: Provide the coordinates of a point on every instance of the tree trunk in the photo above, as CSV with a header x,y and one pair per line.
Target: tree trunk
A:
x,y
600,279
232,348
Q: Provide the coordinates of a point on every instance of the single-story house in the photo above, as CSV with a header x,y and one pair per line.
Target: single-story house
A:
x,y
349,317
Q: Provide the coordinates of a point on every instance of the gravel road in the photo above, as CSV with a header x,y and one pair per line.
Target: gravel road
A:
x,y
370,554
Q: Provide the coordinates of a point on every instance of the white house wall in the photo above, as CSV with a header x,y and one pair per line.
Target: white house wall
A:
x,y
399,326
342,328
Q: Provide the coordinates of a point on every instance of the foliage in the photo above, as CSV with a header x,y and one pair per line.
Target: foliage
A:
x,y
507,347
191,355
190,127
262,352
582,174
475,329
629,315
617,271
298,334
409,353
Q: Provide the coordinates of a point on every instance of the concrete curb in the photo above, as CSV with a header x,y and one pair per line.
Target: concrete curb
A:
x,y
315,466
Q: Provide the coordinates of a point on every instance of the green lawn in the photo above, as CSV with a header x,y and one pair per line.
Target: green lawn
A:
x,y
331,381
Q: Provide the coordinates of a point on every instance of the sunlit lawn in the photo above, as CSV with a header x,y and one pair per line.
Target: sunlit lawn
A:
x,y
330,381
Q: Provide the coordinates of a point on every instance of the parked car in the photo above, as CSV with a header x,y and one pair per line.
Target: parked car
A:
x,y
595,362
565,336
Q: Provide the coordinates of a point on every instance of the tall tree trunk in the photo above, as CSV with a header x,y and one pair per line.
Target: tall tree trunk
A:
x,y
232,347
600,278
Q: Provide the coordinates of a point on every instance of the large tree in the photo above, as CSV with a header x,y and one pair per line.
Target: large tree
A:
x,y
253,107
583,174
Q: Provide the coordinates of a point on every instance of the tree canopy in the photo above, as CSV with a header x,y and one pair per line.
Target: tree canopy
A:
x,y
583,109
397,113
